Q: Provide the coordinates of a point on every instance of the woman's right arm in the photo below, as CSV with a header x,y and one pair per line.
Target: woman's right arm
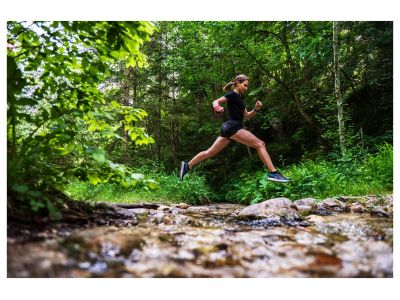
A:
x,y
217,104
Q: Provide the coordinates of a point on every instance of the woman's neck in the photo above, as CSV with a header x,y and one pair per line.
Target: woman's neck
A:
x,y
237,92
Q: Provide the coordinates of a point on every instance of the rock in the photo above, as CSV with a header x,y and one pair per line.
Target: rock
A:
x,y
380,211
373,201
182,219
199,209
183,205
268,208
177,211
365,259
307,238
168,220
315,219
305,206
266,222
137,205
140,211
351,199
389,210
163,208
275,210
389,200
356,207
157,217
125,213
329,205
98,239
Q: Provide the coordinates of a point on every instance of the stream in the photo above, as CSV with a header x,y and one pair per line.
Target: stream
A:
x,y
210,241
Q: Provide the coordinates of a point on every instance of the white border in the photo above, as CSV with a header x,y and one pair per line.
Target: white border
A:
x,y
196,10
199,10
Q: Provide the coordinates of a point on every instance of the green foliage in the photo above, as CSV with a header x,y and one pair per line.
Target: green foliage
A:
x,y
191,62
378,168
54,71
320,179
152,187
80,105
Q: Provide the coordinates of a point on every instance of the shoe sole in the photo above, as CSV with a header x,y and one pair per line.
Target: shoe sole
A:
x,y
278,180
181,171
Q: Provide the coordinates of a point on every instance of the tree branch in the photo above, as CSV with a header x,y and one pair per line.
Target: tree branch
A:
x,y
268,72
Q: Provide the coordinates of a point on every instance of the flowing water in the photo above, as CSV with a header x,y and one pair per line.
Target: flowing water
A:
x,y
209,241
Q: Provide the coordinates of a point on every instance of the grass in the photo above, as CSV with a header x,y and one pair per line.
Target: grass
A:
x,y
165,188
350,175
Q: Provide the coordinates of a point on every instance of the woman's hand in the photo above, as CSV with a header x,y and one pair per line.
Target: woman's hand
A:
x,y
258,105
218,109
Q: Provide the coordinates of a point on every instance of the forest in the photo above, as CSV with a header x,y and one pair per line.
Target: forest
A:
x,y
107,110
100,116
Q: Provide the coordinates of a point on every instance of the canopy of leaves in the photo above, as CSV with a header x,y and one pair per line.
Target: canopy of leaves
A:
x,y
57,111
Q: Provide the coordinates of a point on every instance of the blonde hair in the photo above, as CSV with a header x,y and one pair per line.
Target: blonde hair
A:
x,y
239,78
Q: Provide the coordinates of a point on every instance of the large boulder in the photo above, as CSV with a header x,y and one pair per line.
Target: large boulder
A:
x,y
275,212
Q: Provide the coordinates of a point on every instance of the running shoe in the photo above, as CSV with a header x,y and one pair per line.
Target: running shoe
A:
x,y
277,177
183,170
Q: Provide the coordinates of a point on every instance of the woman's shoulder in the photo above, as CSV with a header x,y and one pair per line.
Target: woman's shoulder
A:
x,y
230,94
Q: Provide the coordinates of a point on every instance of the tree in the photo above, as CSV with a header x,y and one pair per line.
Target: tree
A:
x,y
338,93
54,71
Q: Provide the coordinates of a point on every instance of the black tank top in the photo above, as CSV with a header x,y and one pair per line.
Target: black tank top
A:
x,y
235,106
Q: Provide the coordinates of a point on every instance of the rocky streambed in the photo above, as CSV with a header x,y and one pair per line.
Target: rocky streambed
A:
x,y
345,237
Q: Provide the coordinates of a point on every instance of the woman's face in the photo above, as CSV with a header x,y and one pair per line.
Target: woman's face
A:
x,y
242,86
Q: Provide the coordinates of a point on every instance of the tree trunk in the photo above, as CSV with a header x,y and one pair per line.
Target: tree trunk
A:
x,y
135,81
127,72
172,123
157,124
338,94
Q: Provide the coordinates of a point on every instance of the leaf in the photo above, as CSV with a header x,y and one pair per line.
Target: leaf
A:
x,y
20,188
99,155
152,184
93,179
133,135
137,176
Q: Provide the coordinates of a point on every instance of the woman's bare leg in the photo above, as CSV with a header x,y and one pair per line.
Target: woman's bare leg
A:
x,y
245,137
219,144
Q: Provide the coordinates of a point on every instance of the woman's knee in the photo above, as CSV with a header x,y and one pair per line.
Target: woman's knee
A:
x,y
259,144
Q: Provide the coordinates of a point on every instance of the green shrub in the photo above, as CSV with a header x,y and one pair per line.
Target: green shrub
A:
x,y
349,175
320,179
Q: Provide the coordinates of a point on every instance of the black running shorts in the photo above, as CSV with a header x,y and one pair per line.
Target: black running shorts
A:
x,y
230,127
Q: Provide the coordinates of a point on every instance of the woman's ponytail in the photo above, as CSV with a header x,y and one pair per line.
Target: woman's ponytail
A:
x,y
239,78
228,86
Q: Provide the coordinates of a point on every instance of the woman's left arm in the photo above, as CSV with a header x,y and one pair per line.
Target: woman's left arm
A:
x,y
249,114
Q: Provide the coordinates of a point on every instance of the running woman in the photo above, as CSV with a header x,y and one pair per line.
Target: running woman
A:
x,y
233,129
